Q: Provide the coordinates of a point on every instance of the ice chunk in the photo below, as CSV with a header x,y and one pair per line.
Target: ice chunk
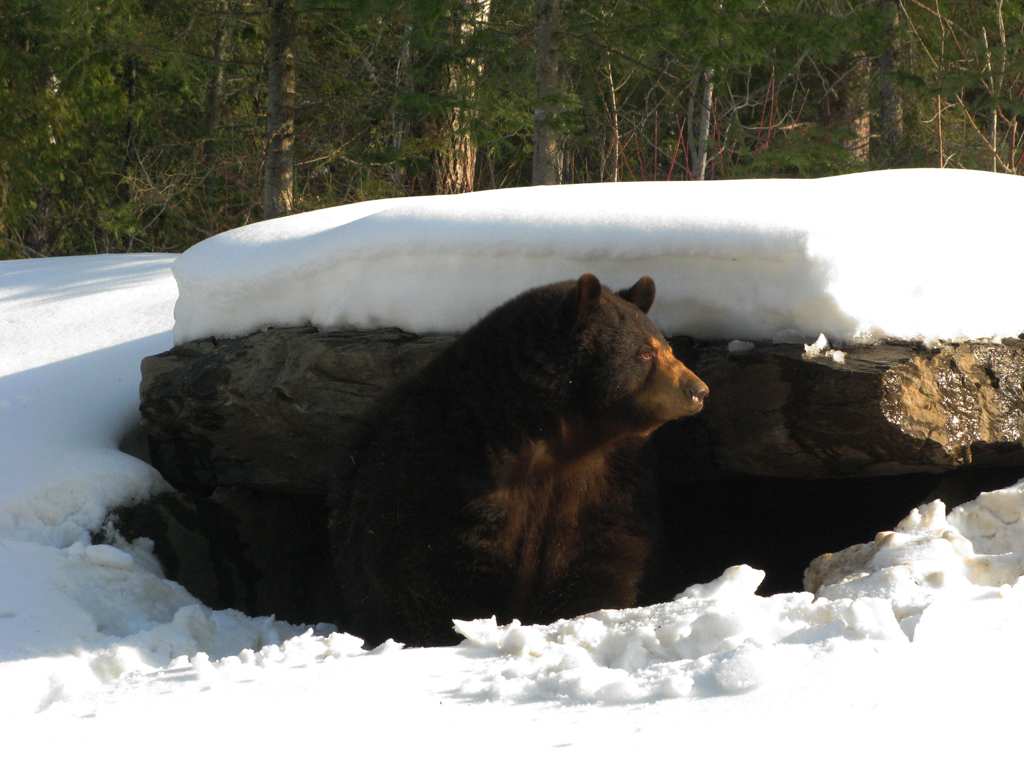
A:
x,y
108,556
817,348
735,581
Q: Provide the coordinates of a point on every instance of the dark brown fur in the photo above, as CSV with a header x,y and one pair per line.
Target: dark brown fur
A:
x,y
505,479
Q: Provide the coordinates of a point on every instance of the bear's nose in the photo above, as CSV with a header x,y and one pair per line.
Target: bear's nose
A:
x,y
698,390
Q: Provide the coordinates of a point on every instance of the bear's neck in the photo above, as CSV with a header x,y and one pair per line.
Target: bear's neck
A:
x,y
572,449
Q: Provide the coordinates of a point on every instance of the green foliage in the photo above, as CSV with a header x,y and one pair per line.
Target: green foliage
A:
x,y
109,142
808,153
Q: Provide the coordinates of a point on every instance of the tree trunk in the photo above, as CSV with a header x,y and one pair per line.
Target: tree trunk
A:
x,y
398,122
700,150
215,86
995,83
455,159
278,172
546,159
613,110
890,111
854,108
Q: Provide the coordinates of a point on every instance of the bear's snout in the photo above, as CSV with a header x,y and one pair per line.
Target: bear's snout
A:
x,y
696,389
693,390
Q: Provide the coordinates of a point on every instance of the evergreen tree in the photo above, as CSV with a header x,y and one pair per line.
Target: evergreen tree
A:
x,y
137,125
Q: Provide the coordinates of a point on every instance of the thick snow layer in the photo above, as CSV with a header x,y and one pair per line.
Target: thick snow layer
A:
x,y
908,253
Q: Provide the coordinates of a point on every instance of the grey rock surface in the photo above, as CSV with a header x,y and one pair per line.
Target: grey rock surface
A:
x,y
888,409
282,410
277,410
257,552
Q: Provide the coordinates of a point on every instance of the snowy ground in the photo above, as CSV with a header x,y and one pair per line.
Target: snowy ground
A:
x,y
912,651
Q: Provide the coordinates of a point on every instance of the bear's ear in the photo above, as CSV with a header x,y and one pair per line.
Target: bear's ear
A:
x,y
641,294
583,298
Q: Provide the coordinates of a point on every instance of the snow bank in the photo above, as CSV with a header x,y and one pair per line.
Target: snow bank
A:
x,y
73,331
77,619
941,584
909,253
75,616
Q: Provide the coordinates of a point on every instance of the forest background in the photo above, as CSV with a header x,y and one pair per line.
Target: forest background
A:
x,y
146,125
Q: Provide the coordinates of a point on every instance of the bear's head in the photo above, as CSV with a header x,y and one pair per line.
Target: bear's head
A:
x,y
629,379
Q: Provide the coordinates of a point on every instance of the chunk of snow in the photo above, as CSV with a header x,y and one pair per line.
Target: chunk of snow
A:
x,y
820,348
738,347
817,348
111,557
737,581
994,522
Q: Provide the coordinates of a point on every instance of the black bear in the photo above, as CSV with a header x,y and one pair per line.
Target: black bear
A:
x,y
504,478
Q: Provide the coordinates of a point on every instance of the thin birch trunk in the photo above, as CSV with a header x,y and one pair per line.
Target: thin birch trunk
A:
x,y
996,83
278,177
613,101
700,152
398,126
994,122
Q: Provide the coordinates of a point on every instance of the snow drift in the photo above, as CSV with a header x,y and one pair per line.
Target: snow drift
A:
x,y
722,638
73,331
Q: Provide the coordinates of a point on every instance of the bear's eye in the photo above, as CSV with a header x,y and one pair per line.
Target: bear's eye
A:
x,y
646,353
